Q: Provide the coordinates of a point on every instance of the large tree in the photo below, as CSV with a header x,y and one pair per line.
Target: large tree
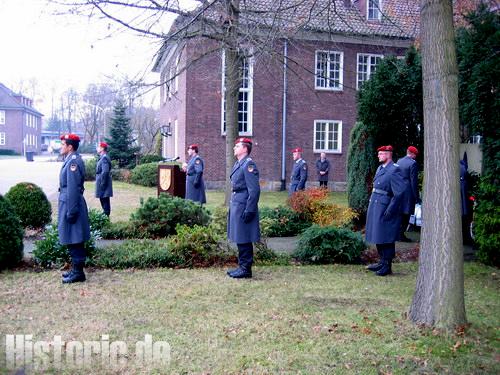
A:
x,y
121,144
439,296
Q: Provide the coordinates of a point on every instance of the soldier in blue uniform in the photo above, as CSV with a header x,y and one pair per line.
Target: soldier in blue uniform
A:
x,y
195,186
299,172
73,220
409,170
243,217
383,219
103,182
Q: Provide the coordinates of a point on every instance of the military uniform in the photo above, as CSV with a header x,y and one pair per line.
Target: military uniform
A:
x,y
383,218
195,186
323,166
73,220
104,183
243,217
409,171
298,177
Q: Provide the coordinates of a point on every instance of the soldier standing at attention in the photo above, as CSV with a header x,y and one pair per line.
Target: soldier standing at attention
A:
x,y
73,219
383,219
195,186
322,167
409,170
103,182
243,217
299,172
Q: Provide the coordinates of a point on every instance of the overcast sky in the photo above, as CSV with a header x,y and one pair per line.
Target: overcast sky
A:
x,y
65,51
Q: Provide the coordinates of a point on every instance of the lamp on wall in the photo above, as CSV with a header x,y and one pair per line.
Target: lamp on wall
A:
x,y
166,130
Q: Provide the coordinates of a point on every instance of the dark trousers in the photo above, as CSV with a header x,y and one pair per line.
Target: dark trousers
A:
x,y
323,183
245,256
405,220
387,251
77,253
106,205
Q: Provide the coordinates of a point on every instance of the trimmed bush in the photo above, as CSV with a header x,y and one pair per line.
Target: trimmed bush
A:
x,y
11,235
121,174
31,204
281,221
303,201
98,220
150,158
323,245
263,255
8,152
196,246
219,221
157,217
325,214
119,230
134,254
145,174
90,166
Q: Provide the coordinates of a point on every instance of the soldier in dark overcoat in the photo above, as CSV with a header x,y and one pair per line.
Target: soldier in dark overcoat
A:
x,y
409,170
73,219
243,217
103,181
322,168
383,218
195,186
298,177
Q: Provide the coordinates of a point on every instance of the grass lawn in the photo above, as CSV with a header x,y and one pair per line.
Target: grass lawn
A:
x,y
126,198
296,319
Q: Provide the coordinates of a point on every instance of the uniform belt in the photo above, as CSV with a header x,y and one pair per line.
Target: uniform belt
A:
x,y
379,191
238,190
65,188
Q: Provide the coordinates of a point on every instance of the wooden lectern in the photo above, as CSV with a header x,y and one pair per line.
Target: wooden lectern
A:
x,y
171,180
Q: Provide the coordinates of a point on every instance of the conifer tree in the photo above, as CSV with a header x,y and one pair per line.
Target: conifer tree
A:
x,y
121,141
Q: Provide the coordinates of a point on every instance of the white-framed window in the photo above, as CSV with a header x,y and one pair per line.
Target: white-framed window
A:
x,y
2,139
2,117
329,70
245,98
176,138
328,136
374,9
367,65
176,73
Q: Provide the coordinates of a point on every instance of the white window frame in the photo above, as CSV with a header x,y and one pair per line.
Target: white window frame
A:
x,y
176,73
248,90
328,79
2,138
176,138
2,117
376,7
328,123
370,66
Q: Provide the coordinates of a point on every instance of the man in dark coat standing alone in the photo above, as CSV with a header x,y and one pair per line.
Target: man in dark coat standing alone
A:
x,y
243,218
195,186
73,219
409,170
103,181
383,218
322,167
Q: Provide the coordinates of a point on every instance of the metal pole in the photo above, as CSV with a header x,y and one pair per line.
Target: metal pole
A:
x,y
283,129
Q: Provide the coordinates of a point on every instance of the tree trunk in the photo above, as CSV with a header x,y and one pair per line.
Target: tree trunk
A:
x,y
439,294
232,84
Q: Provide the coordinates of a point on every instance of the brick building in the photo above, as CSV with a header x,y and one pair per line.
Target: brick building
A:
x,y
20,123
310,104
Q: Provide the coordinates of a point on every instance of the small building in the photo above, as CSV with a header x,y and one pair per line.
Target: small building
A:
x,y
20,123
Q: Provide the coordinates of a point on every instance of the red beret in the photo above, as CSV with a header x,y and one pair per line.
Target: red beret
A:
x,y
194,145
103,145
243,140
413,150
298,149
385,148
70,137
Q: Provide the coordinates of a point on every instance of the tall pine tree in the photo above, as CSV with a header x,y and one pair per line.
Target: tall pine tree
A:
x,y
121,142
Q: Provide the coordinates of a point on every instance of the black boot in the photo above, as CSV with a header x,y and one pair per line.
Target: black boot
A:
x,y
386,268
76,274
376,266
242,273
230,272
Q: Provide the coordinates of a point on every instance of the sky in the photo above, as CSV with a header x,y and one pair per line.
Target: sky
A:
x,y
62,51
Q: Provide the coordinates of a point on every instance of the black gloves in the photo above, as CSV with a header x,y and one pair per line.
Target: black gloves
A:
x,y
247,216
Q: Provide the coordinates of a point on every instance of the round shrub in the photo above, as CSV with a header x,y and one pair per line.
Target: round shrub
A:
x,y
145,174
157,217
150,158
98,220
11,235
90,166
323,245
281,221
31,204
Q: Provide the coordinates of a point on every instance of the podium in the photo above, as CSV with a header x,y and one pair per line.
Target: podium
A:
x,y
171,180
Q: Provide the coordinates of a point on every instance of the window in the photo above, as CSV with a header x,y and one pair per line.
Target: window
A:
x,y
328,136
2,139
329,70
245,98
176,73
374,9
2,117
367,64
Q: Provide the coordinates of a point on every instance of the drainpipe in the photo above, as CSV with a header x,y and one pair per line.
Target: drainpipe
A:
x,y
283,126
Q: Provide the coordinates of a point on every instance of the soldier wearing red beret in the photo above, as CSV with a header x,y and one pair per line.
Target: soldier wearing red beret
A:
x,y
409,170
103,181
73,219
195,185
383,218
298,177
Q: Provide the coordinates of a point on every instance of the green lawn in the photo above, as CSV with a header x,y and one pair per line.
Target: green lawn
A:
x,y
126,198
296,319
